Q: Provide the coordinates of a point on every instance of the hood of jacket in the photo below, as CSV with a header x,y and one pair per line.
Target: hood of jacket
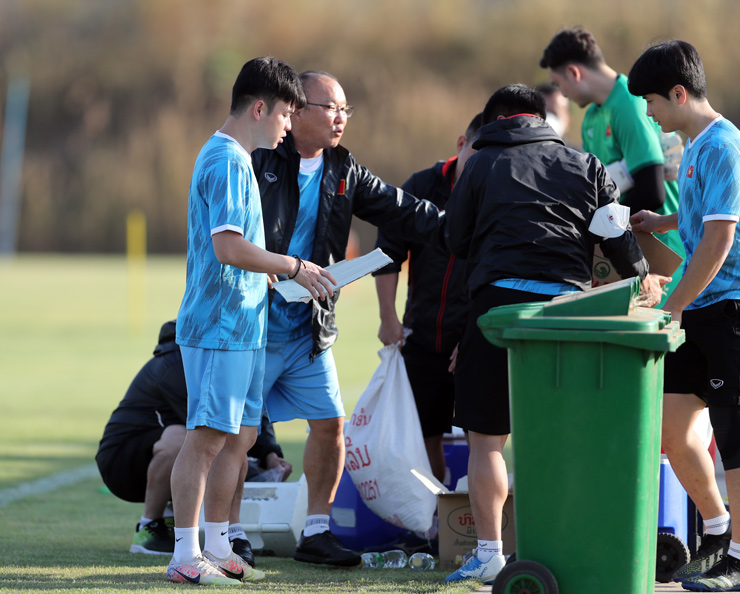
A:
x,y
514,130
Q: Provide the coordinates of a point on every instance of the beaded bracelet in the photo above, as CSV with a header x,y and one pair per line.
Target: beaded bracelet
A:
x,y
298,268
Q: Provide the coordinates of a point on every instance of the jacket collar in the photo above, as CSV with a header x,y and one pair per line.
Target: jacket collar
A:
x,y
448,168
286,149
518,129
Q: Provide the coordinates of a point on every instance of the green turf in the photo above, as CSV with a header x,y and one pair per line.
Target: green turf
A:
x,y
70,343
76,540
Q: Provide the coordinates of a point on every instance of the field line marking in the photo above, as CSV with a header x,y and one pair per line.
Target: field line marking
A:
x,y
47,484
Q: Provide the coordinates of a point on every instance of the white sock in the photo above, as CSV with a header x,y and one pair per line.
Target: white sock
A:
x,y
316,524
488,549
144,521
168,511
217,539
718,525
734,550
236,531
187,545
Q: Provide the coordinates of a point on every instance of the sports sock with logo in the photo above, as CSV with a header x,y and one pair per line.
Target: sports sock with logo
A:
x,y
217,539
316,524
187,545
236,531
487,549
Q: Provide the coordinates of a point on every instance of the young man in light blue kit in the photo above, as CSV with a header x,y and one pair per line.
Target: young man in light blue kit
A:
x,y
705,371
221,325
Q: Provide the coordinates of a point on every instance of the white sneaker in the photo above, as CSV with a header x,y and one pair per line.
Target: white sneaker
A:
x,y
235,567
198,571
475,569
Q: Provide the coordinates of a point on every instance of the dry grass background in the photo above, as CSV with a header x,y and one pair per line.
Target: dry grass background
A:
x,y
124,93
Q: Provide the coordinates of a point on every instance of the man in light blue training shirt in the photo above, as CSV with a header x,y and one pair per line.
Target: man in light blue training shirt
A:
x,y
221,326
705,371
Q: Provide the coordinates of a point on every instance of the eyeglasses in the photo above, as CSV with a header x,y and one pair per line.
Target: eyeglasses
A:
x,y
335,109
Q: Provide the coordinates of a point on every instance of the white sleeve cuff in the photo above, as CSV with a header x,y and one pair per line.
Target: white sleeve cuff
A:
x,y
223,228
720,217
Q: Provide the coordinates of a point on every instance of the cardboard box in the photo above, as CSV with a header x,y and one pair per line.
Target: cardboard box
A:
x,y
662,259
457,534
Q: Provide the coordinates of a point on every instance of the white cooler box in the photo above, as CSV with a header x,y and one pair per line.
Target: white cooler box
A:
x,y
273,516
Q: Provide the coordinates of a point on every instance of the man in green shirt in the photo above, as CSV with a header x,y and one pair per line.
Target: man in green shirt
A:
x,y
640,158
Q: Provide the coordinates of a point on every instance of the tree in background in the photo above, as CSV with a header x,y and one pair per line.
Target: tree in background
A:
x,y
123,92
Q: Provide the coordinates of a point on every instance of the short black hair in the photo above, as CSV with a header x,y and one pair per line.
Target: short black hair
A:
x,y
473,127
269,79
547,88
572,45
663,66
512,100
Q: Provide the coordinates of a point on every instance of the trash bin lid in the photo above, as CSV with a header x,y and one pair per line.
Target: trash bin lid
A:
x,y
604,314
609,300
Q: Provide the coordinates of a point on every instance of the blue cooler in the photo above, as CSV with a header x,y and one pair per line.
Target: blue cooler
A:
x,y
456,458
354,523
673,503
675,527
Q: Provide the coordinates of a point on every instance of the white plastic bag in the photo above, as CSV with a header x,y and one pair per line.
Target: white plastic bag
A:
x,y
385,453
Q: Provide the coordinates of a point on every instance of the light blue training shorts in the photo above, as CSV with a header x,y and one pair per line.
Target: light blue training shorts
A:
x,y
224,388
297,387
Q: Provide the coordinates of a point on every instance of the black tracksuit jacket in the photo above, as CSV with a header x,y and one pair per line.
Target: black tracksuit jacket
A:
x,y
523,205
347,189
436,305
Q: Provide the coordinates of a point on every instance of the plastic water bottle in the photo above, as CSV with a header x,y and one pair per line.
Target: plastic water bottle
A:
x,y
421,561
372,560
274,475
391,559
395,559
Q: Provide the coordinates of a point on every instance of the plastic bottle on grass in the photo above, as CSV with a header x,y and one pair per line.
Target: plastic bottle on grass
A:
x,y
421,561
372,560
390,559
395,559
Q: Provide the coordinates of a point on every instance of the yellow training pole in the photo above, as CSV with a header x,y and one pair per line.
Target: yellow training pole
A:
x,y
136,264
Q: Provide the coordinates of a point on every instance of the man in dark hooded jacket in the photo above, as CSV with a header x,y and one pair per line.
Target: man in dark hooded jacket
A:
x,y
525,214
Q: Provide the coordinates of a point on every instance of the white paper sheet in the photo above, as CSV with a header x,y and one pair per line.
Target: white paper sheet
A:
x,y
345,272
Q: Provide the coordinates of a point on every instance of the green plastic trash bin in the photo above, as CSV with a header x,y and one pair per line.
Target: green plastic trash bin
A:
x,y
586,390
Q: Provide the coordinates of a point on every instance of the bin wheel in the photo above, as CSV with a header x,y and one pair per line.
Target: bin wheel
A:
x,y
672,554
525,577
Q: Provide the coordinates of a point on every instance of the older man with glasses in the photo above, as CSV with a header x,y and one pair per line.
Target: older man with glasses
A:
x,y
310,188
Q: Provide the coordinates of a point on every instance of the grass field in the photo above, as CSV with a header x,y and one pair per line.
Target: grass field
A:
x,y
71,340
69,348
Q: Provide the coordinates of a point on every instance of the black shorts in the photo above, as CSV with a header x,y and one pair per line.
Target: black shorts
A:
x,y
482,372
124,468
708,363
433,386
